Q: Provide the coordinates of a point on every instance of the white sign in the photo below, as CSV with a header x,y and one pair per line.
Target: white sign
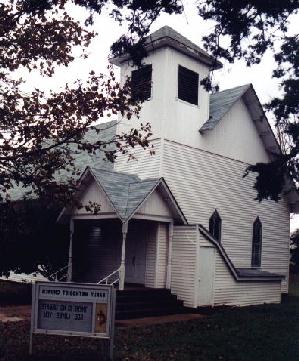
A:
x,y
73,309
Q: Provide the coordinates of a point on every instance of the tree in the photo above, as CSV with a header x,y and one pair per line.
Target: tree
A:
x,y
294,264
41,133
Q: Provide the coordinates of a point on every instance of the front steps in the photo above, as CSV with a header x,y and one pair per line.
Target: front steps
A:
x,y
146,302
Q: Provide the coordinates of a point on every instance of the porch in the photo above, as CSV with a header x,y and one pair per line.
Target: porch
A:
x,y
127,239
97,253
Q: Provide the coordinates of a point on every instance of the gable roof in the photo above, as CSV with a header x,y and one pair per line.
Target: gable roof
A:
x,y
167,36
222,102
127,192
82,158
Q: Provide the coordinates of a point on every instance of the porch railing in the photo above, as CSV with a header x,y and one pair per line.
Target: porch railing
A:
x,y
60,275
111,279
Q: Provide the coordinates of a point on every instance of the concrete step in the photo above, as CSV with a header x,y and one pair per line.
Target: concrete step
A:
x,y
145,302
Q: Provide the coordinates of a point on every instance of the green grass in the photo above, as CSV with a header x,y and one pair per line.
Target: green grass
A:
x,y
263,333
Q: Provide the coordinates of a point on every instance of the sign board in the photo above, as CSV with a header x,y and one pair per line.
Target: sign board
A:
x,y
73,309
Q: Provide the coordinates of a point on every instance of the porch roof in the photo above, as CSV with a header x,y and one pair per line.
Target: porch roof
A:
x,y
127,192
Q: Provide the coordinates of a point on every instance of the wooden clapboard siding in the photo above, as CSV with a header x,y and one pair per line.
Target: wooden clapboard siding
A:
x,y
184,264
155,205
162,250
144,164
151,246
202,181
94,193
229,292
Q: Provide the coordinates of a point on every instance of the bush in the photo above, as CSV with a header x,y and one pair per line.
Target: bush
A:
x,y
13,293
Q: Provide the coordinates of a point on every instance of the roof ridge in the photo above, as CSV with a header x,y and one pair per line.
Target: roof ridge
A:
x,y
114,171
146,180
247,85
150,191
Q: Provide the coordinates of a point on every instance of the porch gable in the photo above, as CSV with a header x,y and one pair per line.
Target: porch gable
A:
x,y
123,196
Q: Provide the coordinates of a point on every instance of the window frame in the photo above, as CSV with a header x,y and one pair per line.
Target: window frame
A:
x,y
257,242
215,224
183,99
150,82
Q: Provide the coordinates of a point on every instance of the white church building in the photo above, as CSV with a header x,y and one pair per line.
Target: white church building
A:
x,y
185,219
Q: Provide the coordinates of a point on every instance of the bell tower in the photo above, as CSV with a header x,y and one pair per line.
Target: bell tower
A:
x,y
174,103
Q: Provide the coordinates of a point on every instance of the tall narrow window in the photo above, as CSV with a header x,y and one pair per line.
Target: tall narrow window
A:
x,y
256,257
187,85
141,83
215,224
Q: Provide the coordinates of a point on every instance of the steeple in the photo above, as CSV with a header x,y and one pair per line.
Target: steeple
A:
x,y
174,102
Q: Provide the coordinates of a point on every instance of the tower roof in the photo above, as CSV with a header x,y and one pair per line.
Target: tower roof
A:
x,y
166,36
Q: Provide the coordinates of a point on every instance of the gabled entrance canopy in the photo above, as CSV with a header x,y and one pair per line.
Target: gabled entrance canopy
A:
x,y
125,196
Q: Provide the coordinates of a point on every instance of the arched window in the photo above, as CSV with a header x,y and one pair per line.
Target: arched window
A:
x,y
215,225
256,256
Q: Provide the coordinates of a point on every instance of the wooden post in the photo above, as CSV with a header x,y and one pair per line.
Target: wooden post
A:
x,y
169,261
122,269
70,263
32,320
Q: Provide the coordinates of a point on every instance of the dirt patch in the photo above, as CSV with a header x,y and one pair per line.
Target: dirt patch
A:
x,y
148,321
15,313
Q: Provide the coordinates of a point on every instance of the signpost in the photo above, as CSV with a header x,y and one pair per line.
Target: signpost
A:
x,y
73,309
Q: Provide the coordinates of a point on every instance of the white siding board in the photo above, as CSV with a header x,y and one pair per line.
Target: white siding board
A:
x,y
144,164
184,264
162,250
236,136
202,181
151,246
228,291
94,193
155,205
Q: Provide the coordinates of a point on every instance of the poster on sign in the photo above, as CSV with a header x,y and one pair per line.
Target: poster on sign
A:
x,y
73,309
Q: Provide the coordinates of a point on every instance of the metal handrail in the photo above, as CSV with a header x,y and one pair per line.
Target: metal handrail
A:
x,y
54,275
105,280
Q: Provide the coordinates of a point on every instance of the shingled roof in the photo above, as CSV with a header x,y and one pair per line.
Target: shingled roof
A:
x,y
127,192
220,104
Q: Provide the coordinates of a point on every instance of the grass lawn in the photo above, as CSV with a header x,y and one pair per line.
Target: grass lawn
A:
x,y
263,333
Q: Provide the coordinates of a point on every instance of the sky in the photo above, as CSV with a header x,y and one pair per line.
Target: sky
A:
x,y
188,24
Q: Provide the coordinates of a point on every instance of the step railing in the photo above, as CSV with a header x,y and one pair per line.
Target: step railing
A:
x,y
60,275
111,279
